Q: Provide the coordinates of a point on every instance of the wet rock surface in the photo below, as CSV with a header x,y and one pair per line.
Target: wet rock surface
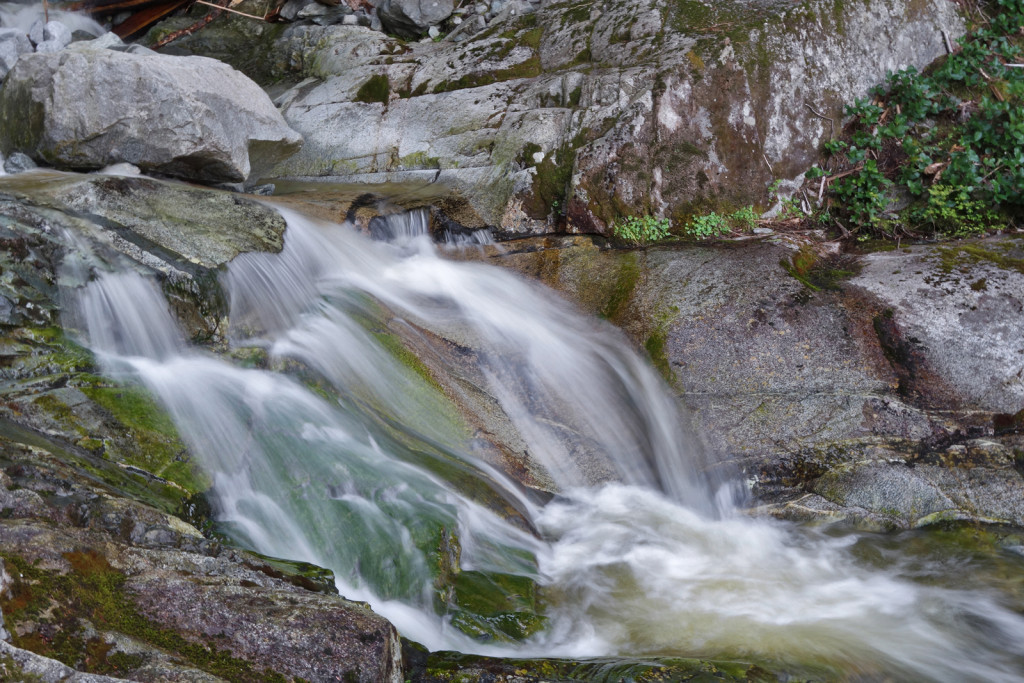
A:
x,y
837,390
103,580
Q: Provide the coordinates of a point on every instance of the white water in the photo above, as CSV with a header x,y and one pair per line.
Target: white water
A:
x,y
656,565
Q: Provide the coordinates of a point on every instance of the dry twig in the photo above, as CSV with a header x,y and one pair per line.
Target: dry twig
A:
x,y
228,9
831,123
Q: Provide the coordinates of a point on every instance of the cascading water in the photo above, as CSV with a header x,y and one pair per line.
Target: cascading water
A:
x,y
370,479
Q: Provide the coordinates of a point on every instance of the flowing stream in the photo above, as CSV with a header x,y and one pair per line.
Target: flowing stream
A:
x,y
327,443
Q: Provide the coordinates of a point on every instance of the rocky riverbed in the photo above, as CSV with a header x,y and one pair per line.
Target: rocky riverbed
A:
x,y
881,389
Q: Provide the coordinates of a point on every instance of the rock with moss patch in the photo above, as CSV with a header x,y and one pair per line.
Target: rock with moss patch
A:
x,y
135,591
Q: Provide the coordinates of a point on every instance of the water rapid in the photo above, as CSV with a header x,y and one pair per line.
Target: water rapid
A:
x,y
336,448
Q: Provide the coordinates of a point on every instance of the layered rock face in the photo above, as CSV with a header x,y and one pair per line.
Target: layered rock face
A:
x,y
581,112
88,107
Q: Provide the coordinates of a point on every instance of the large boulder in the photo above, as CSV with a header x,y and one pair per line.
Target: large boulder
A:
x,y
189,117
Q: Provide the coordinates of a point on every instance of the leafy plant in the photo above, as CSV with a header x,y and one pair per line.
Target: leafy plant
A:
x,y
642,230
708,225
716,225
745,218
950,138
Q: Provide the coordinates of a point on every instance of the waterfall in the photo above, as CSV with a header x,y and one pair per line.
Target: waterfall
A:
x,y
337,451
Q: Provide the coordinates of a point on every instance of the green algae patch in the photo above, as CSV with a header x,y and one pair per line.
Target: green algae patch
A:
x,y
817,273
55,605
20,445
303,574
655,345
157,448
626,279
493,607
1005,255
525,69
375,89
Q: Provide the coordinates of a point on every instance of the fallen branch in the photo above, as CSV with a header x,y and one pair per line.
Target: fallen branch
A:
x,y
188,30
949,45
148,15
837,176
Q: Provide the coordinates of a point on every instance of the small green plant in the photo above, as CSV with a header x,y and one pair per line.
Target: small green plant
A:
x,y
642,230
863,194
745,218
707,226
717,225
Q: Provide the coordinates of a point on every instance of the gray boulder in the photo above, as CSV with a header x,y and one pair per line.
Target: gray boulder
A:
x,y
13,44
19,162
413,17
190,117
56,37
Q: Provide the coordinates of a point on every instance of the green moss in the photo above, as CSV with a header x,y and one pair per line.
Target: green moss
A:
x,y
454,666
496,607
622,291
816,273
525,69
402,354
655,346
154,444
376,89
57,410
420,160
1005,255
10,670
551,182
574,96
95,591
695,60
